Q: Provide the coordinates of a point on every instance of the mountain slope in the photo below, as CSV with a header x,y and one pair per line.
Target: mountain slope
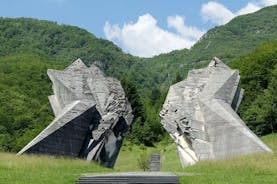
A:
x,y
238,37
62,42
67,43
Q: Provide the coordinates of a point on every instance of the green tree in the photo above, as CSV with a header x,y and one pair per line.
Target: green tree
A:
x,y
259,79
155,95
133,97
178,78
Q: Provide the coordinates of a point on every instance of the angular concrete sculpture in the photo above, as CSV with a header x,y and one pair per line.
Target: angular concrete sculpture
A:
x,y
199,114
91,116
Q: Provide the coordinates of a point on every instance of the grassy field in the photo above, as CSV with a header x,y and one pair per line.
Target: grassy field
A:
x,y
25,169
260,168
43,170
129,155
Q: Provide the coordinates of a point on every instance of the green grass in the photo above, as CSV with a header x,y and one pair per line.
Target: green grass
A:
x,y
26,169
259,168
129,155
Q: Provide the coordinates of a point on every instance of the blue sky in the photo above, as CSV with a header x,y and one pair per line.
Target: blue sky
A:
x,y
140,27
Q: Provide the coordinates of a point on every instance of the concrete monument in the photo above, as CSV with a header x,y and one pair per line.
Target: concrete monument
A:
x,y
91,116
200,115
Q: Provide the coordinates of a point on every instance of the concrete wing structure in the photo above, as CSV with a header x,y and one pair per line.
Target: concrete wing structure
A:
x,y
91,116
199,113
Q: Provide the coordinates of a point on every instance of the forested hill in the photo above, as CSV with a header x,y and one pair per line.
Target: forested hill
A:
x,y
61,42
66,43
238,37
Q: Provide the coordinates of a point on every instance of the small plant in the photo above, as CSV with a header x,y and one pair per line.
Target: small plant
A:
x,y
143,161
130,148
142,147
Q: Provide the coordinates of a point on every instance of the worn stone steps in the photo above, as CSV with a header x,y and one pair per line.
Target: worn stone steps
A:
x,y
155,162
128,178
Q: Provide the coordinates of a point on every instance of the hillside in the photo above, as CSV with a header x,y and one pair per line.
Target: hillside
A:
x,y
67,43
258,70
24,87
62,42
236,38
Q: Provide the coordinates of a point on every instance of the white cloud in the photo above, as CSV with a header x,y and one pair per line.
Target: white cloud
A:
x,y
145,38
269,2
216,13
188,32
249,8
219,14
112,31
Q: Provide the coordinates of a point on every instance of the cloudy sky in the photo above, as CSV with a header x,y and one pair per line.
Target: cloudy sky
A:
x,y
141,27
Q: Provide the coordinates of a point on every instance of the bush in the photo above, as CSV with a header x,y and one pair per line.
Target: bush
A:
x,y
143,161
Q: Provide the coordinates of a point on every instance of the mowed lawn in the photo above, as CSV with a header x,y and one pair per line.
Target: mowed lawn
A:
x,y
26,169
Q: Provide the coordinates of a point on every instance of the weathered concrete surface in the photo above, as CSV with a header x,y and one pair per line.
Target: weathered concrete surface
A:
x,y
199,114
92,115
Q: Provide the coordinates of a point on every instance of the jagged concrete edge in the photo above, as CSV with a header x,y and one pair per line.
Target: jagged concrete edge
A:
x,y
227,105
52,74
232,114
54,105
239,99
77,62
53,126
220,93
239,124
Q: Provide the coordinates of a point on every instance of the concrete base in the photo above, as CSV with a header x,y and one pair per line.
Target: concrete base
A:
x,y
130,177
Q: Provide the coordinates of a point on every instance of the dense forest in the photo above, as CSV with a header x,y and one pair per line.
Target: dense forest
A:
x,y
29,47
258,71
